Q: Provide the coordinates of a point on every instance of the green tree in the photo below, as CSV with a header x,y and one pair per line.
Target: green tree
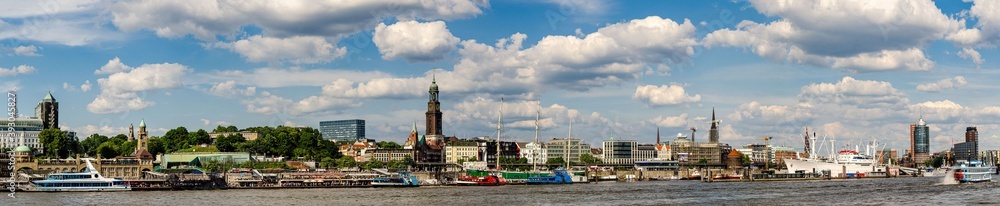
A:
x,y
388,145
589,159
372,163
121,137
221,129
55,143
127,148
89,145
156,146
328,163
108,150
556,161
346,162
228,143
175,139
745,159
199,137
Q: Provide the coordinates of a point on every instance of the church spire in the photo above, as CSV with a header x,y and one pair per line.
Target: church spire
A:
x,y
713,113
657,135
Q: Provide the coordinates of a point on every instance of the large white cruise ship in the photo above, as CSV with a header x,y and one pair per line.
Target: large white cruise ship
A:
x,y
847,161
87,181
843,163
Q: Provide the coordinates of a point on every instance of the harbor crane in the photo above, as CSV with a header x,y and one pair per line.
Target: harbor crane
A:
x,y
768,152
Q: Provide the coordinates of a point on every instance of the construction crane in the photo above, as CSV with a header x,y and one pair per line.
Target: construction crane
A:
x,y
767,151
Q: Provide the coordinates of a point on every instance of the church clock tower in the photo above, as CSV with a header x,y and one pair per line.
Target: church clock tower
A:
x,y
434,112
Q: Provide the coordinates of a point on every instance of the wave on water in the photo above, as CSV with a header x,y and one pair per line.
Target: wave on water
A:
x,y
948,178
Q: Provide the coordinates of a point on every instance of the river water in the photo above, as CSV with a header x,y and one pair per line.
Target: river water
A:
x,y
890,191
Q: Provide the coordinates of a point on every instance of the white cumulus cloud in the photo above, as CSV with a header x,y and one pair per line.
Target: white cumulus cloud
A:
x,y
944,84
20,69
30,50
120,91
228,89
653,95
414,41
884,35
86,86
297,49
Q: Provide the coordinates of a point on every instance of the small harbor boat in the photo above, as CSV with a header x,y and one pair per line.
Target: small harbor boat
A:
x,y
694,175
490,180
559,176
973,172
607,178
87,181
401,179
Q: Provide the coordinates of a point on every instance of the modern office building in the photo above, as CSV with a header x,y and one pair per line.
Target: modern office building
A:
x,y
972,135
965,151
343,130
559,147
619,151
26,132
921,141
48,111
644,152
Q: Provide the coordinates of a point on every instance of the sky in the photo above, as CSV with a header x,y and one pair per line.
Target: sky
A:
x,y
854,71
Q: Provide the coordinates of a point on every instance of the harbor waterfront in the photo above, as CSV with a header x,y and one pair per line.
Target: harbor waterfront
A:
x,y
901,191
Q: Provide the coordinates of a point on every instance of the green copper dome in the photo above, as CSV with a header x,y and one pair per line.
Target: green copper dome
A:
x,y
434,85
22,148
142,123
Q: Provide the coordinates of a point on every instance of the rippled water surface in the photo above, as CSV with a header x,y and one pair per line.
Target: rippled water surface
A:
x,y
893,191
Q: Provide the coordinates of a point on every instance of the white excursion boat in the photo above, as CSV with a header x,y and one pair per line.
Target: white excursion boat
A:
x,y
973,171
87,181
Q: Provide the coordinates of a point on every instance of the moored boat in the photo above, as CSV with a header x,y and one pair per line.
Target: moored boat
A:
x,y
401,179
87,181
559,176
489,180
973,172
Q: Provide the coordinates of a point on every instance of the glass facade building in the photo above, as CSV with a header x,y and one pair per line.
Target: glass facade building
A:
x,y
343,130
921,136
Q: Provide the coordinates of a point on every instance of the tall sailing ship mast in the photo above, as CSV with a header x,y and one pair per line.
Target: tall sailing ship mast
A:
x,y
535,148
567,144
499,134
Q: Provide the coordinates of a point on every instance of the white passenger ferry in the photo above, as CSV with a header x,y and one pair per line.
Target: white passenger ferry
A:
x,y
87,181
973,171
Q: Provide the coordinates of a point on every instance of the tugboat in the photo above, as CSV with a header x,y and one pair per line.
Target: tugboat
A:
x,y
558,177
402,179
972,172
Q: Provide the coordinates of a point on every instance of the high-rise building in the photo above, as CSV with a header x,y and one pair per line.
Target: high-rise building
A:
x,y
972,135
48,111
343,130
433,129
971,147
921,142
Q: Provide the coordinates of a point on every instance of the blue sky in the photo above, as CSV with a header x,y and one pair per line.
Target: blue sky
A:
x,y
850,70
